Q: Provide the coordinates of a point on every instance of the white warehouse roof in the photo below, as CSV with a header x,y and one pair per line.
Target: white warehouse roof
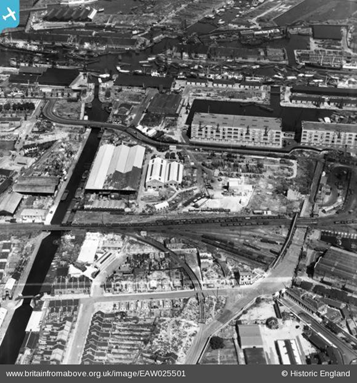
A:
x,y
162,171
116,168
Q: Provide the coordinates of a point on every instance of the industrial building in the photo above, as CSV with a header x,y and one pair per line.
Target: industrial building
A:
x,y
9,203
329,135
288,352
116,168
237,130
331,32
339,268
126,80
162,172
324,91
36,185
49,77
64,14
254,355
166,104
250,336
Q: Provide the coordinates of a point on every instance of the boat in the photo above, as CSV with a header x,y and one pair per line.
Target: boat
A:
x,y
265,107
122,70
143,62
64,195
138,72
151,58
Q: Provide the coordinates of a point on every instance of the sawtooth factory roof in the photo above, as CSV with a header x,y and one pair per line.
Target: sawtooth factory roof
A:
x,y
116,168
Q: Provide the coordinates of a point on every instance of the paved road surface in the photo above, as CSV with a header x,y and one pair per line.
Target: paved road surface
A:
x,y
87,309
269,285
135,133
348,354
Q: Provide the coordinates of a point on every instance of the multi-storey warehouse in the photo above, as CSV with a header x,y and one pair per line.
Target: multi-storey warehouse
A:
x,y
237,130
329,135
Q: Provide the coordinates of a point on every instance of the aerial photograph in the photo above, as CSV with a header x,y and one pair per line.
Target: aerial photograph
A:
x,y
178,182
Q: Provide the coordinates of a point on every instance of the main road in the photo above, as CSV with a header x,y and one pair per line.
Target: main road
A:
x,y
275,280
137,134
348,354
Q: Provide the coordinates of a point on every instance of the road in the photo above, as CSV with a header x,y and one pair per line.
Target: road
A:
x,y
135,133
347,353
87,308
267,286
176,259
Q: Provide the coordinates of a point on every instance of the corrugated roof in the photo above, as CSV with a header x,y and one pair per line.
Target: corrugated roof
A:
x,y
36,185
338,264
116,168
250,335
10,202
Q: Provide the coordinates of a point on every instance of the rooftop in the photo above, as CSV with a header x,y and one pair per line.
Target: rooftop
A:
x,y
9,203
228,120
116,168
250,336
323,126
144,81
36,185
338,264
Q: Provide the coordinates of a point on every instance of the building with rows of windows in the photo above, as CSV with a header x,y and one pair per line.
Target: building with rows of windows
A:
x,y
329,135
236,130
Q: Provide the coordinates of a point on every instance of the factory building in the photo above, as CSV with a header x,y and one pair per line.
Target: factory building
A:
x,y
36,185
329,135
162,172
247,131
339,268
9,203
250,336
288,352
116,168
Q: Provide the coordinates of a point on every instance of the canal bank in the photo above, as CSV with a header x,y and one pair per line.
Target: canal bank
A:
x,y
15,331
11,305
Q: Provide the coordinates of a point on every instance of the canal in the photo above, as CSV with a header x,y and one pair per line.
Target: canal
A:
x,y
291,117
15,334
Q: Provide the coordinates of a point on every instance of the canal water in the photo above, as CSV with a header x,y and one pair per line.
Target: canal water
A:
x,y
85,160
291,117
15,334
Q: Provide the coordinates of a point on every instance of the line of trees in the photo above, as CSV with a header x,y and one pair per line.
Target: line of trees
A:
x,y
17,106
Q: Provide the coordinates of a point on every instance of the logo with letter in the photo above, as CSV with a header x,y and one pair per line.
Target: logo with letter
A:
x,y
9,14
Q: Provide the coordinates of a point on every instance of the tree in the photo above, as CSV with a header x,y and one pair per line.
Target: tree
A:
x,y
216,343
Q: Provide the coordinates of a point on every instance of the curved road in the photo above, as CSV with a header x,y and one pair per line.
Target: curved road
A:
x,y
135,133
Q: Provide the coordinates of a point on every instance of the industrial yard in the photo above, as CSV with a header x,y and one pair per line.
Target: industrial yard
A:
x,y
178,183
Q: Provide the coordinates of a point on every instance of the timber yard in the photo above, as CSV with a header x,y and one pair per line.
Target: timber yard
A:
x,y
178,183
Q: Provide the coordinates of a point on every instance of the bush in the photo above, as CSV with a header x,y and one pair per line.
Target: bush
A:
x,y
216,343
